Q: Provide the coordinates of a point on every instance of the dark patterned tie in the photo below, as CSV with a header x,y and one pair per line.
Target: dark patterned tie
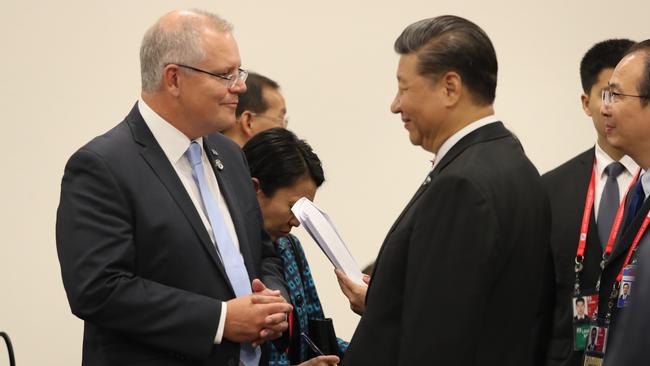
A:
x,y
609,202
634,203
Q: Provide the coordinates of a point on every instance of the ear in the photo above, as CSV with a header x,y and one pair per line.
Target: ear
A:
x,y
170,80
256,186
452,86
584,98
246,123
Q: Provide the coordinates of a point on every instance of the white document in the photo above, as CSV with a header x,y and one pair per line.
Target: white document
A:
x,y
321,229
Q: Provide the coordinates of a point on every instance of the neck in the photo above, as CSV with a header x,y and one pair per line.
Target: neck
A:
x,y
165,109
233,135
610,150
463,118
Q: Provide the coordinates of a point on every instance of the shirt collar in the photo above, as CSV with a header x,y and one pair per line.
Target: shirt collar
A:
x,y
645,182
603,160
451,141
172,141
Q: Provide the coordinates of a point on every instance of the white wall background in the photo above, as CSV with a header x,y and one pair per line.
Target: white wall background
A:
x,y
69,70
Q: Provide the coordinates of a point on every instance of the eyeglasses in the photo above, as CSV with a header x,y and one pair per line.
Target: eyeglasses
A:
x,y
284,121
609,96
232,79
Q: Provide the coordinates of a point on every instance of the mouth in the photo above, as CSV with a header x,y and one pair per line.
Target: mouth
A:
x,y
609,128
231,104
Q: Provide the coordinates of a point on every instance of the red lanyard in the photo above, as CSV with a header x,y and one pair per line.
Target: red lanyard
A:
x,y
637,238
589,203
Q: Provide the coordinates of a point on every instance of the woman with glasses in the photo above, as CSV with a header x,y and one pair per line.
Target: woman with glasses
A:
x,y
284,169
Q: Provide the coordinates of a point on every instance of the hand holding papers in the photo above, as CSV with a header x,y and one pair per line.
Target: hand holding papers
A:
x,y
321,229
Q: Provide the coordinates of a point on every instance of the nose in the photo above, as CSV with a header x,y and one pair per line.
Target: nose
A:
x,y
239,87
605,110
396,106
294,221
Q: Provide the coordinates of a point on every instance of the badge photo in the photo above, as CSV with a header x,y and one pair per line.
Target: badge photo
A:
x,y
626,286
584,307
597,342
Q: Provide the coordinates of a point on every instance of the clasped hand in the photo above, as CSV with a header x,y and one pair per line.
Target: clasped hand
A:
x,y
258,317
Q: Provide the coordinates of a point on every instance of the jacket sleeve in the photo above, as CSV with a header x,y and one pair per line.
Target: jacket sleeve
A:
x,y
96,248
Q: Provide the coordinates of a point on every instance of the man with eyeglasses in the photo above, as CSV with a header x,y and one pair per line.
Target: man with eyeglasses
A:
x,y
606,172
260,107
626,102
160,238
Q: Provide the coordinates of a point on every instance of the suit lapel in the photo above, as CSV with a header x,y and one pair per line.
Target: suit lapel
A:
x,y
154,156
482,134
234,204
488,132
625,241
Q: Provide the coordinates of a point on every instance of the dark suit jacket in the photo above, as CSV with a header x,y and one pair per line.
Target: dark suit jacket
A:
x,y
567,187
137,263
458,276
631,344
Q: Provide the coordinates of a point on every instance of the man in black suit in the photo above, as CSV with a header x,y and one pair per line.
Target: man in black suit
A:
x,y
478,223
159,234
627,104
567,187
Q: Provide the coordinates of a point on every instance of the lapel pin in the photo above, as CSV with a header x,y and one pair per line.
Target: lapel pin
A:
x,y
214,152
218,164
426,181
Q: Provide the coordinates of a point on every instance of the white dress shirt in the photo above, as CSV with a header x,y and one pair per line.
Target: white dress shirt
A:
x,y
624,179
174,144
453,139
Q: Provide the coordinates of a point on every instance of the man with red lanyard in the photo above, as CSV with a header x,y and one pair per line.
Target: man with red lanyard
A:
x,y
626,102
585,194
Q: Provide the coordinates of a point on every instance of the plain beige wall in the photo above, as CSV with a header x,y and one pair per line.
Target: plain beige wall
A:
x,y
70,71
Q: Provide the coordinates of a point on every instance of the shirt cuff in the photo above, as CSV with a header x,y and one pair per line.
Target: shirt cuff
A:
x,y
222,323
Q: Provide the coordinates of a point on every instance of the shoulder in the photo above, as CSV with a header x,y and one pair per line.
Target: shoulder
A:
x,y
570,169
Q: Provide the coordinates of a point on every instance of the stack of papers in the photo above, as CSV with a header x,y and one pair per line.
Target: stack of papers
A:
x,y
320,228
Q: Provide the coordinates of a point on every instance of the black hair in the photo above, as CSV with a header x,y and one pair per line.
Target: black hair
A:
x,y
451,43
580,299
252,99
603,55
277,158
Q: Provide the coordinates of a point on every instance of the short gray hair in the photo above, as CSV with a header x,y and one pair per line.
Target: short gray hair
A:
x,y
181,43
643,86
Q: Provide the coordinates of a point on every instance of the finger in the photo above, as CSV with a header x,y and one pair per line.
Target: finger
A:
x,y
366,279
275,319
277,327
268,335
328,359
276,307
257,285
267,299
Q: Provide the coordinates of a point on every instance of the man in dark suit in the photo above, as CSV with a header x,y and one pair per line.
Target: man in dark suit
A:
x,y
478,223
626,102
261,107
567,187
159,234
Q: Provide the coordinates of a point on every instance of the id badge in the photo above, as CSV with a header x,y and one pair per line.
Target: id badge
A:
x,y
596,343
627,281
593,361
584,308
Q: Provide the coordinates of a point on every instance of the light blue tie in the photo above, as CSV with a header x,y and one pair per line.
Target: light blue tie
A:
x,y
230,255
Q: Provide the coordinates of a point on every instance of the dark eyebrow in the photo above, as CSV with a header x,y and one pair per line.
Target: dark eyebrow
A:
x,y
612,85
